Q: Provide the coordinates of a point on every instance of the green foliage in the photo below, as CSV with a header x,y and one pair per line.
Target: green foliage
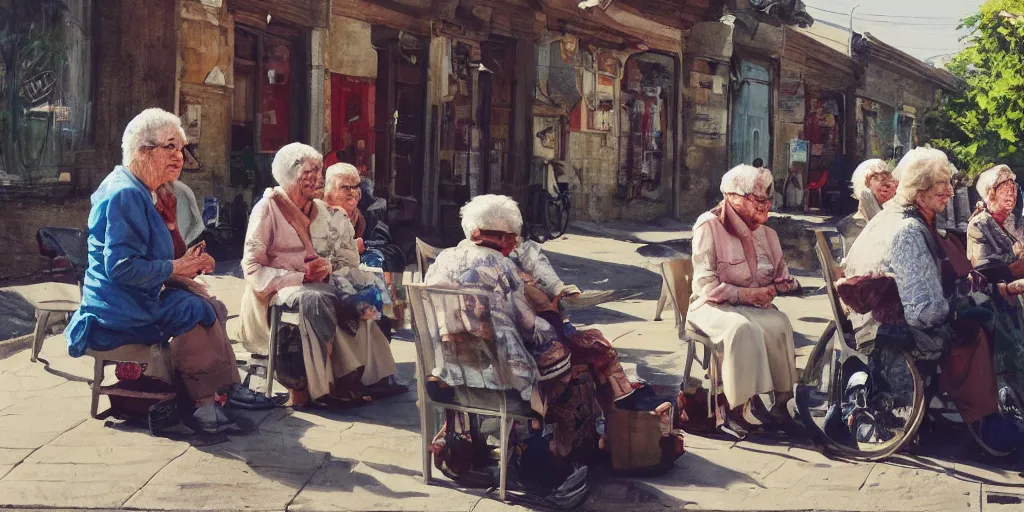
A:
x,y
982,123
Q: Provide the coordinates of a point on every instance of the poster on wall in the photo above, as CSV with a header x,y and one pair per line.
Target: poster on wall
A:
x,y
193,121
797,151
792,99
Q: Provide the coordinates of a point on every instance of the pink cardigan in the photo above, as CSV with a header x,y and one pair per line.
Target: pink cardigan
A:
x,y
721,264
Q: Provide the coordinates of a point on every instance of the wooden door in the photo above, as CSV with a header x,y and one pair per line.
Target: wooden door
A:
x,y
751,133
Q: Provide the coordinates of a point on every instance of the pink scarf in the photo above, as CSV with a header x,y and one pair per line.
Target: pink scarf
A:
x,y
735,226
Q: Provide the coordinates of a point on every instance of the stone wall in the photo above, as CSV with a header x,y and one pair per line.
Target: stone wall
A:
x,y
595,155
887,85
19,221
206,75
705,134
133,71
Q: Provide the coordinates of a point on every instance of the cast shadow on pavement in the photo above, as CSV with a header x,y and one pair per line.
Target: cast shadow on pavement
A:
x,y
295,449
590,274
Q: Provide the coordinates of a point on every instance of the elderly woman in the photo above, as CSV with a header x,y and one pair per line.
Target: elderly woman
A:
x,y
330,357
738,271
873,186
991,243
139,288
539,365
935,281
343,190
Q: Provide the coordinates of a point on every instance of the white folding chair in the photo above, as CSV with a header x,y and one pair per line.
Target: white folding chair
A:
x,y
676,287
430,305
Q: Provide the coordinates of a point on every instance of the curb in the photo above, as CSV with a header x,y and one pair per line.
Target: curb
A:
x,y
14,345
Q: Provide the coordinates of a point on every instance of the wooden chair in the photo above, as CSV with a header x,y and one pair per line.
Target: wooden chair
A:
x,y
155,361
433,308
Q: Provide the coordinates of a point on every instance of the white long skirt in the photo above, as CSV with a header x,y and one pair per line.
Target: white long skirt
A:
x,y
756,347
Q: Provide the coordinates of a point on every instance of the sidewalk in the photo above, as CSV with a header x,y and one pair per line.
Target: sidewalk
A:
x,y
52,455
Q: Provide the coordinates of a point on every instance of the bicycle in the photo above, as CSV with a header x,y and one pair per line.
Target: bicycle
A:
x,y
547,213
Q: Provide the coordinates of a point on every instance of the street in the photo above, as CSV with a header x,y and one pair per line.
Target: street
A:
x,y
53,455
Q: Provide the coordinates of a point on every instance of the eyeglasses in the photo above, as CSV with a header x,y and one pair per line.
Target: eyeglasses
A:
x,y
169,147
505,236
761,201
349,188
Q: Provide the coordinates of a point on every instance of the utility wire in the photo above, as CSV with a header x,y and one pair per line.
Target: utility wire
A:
x,y
858,16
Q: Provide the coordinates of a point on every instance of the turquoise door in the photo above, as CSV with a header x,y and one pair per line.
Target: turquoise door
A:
x,y
750,137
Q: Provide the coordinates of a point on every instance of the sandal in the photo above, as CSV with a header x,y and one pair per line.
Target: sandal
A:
x,y
380,392
312,405
346,400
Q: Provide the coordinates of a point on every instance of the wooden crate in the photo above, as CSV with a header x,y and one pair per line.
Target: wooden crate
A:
x,y
634,438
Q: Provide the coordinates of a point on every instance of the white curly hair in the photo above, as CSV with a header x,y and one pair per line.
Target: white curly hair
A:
x,y
989,180
143,130
864,172
288,161
491,212
919,170
747,179
338,170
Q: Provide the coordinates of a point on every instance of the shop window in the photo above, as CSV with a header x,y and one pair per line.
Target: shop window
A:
x,y
353,105
46,91
646,99
269,95
598,94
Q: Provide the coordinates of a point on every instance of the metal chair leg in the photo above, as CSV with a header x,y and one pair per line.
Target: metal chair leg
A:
x,y
42,324
426,427
97,383
275,323
503,471
691,356
662,300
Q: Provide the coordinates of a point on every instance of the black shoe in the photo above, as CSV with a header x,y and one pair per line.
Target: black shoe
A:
x,y
733,429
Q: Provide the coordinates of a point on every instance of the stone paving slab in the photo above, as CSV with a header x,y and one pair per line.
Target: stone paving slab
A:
x,y
348,484
219,481
75,485
53,455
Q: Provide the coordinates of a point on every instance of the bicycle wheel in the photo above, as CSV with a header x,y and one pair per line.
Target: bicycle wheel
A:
x,y
556,217
866,411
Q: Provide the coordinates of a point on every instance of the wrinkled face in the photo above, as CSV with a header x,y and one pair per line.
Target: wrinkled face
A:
x,y
752,208
1003,198
309,183
345,194
935,199
160,160
882,186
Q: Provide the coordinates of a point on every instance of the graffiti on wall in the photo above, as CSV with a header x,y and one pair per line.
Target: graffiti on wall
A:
x,y
41,118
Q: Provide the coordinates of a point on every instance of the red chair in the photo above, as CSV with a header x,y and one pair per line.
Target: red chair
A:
x,y
815,184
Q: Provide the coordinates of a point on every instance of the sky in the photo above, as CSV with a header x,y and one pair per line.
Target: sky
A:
x,y
922,28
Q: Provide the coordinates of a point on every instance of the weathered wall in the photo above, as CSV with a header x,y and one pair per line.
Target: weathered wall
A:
x,y
706,135
206,83
706,116
134,71
19,221
596,157
886,85
350,51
